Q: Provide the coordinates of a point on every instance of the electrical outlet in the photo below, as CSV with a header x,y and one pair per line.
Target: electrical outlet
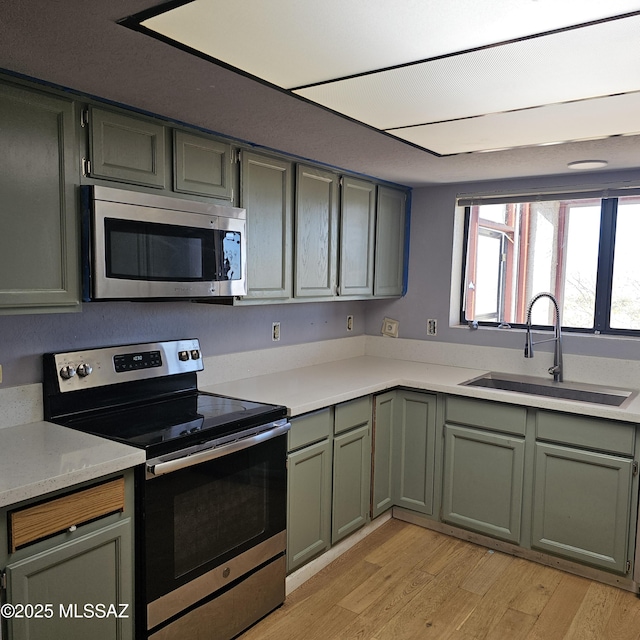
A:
x,y
275,331
432,327
349,323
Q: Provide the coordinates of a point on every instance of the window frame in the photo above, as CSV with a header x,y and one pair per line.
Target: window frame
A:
x,y
604,270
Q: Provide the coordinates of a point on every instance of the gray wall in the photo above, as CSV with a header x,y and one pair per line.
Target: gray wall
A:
x,y
430,264
221,329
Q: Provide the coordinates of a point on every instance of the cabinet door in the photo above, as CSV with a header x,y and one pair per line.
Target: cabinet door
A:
x,y
351,481
266,194
384,413
581,505
39,264
309,503
316,233
414,451
202,166
390,232
93,569
127,149
483,481
357,237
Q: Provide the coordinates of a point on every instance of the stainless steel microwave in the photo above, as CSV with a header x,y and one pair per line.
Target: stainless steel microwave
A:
x,y
141,246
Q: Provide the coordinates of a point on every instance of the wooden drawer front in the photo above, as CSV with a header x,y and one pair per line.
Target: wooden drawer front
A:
x,y
491,415
311,427
39,521
582,431
352,414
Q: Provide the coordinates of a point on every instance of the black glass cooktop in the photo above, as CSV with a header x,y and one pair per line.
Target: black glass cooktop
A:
x,y
178,422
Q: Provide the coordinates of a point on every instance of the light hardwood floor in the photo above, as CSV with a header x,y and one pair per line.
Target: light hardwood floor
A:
x,y
404,582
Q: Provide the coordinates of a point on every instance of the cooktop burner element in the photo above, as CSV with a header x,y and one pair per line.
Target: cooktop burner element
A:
x,y
146,396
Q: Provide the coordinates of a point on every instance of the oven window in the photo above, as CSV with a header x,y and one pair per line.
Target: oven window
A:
x,y
151,251
206,518
202,516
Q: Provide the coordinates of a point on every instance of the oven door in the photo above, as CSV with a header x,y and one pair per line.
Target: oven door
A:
x,y
209,524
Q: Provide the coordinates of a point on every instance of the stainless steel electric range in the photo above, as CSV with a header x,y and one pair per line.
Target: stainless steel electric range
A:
x,y
211,498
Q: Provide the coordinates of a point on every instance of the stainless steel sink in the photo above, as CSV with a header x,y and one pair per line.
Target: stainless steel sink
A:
x,y
578,392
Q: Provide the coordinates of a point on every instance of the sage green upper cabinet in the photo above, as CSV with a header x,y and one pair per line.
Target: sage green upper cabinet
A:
x,y
202,166
316,223
357,237
127,149
390,240
39,170
413,451
483,483
266,192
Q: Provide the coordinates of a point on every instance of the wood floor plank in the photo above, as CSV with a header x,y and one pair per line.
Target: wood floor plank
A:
x,y
380,612
533,598
381,590
514,625
487,571
594,613
555,619
449,616
624,623
410,621
499,597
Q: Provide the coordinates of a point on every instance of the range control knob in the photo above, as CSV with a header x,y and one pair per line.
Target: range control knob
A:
x,y
84,370
67,372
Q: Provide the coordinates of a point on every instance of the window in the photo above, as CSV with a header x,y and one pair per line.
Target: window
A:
x,y
584,251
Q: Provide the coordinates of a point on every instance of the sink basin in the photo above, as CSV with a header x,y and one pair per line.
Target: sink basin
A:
x,y
578,392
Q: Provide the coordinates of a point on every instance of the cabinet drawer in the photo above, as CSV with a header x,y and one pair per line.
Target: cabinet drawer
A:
x,y
582,431
491,415
311,427
45,519
352,414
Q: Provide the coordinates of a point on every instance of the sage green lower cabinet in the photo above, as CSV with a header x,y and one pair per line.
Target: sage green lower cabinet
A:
x,y
413,451
381,472
581,506
309,503
351,467
91,570
483,481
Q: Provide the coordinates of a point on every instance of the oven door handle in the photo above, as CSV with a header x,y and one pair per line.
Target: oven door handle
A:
x,y
161,468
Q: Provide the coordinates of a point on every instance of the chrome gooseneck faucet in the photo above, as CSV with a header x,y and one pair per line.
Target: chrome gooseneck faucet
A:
x,y
556,369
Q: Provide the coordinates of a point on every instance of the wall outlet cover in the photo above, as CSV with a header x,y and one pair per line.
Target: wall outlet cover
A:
x,y
390,327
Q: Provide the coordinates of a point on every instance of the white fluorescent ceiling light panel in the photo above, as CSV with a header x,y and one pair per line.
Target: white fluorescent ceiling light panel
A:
x,y
427,71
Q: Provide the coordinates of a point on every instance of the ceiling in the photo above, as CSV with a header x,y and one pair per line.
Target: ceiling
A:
x,y
417,92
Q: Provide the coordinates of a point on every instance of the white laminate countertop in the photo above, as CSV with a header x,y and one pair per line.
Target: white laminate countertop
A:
x,y
309,388
41,457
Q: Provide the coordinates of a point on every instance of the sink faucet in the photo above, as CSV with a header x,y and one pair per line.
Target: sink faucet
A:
x,y
556,369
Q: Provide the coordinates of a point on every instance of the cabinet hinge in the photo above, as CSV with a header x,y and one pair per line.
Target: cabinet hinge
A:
x,y
635,468
84,117
238,155
86,167
3,581
628,566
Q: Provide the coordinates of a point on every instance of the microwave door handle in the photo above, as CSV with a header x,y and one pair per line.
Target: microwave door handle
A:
x,y
162,468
